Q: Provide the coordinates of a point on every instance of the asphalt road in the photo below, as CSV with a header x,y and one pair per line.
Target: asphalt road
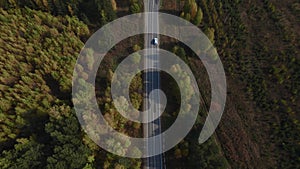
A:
x,y
152,81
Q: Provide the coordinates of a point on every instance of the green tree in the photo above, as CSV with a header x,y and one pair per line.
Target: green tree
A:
x,y
27,153
136,58
135,8
136,48
210,33
191,12
179,51
199,17
68,148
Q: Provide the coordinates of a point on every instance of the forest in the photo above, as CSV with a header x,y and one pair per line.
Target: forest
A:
x,y
257,41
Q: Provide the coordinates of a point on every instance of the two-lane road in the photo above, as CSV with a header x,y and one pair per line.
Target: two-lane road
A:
x,y
152,81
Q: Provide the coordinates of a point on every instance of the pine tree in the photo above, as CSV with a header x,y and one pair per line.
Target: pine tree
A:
x,y
68,148
27,153
199,17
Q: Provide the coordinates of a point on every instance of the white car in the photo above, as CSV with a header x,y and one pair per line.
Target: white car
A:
x,y
154,41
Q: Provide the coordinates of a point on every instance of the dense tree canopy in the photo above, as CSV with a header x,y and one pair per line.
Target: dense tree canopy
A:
x,y
39,44
92,12
37,75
